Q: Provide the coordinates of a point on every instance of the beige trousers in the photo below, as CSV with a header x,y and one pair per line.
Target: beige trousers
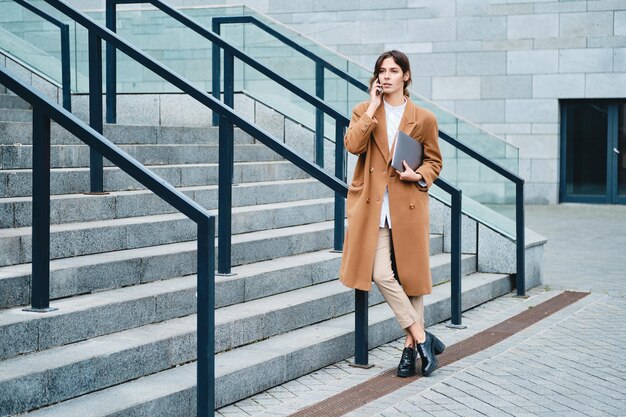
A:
x,y
408,310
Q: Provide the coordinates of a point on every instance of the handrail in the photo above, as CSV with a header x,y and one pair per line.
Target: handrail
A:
x,y
228,118
319,83
43,111
65,51
206,337
230,52
219,20
226,162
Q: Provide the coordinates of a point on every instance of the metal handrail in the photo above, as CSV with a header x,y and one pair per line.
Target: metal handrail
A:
x,y
230,52
97,33
228,119
319,126
65,51
44,110
226,163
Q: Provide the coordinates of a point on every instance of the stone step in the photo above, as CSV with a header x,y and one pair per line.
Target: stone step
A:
x,y
259,366
165,343
133,266
77,156
18,183
86,238
22,132
11,101
17,211
236,325
16,115
23,332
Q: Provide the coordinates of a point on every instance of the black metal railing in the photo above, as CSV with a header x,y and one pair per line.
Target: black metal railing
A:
x,y
97,33
321,65
231,52
44,110
66,79
228,119
226,160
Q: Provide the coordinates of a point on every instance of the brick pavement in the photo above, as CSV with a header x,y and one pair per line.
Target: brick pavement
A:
x,y
570,364
541,371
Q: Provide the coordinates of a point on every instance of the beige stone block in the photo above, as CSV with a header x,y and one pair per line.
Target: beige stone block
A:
x,y
559,86
586,24
533,26
456,88
605,85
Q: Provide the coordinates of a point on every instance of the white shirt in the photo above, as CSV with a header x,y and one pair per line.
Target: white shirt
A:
x,y
393,116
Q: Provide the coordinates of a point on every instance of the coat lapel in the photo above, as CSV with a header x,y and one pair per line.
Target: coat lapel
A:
x,y
380,132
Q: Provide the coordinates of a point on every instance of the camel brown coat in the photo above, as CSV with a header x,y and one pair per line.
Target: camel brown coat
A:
x,y
408,201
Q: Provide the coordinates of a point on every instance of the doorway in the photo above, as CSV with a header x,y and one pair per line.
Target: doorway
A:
x,y
593,151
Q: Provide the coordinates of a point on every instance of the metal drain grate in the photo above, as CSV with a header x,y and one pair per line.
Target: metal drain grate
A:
x,y
388,382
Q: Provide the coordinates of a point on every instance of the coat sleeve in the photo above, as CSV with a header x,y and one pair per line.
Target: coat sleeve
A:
x,y
431,166
359,131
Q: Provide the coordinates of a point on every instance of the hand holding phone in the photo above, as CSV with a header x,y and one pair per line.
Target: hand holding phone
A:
x,y
379,88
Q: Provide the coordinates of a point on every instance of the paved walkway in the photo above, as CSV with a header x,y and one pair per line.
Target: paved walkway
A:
x,y
569,364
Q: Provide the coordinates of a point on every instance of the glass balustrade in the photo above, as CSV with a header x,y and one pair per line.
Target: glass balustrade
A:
x,y
37,43
30,39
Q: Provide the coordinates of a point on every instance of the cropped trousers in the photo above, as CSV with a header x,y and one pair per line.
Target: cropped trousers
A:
x,y
408,310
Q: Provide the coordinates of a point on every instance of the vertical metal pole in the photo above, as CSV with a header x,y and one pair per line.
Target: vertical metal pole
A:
x,y
319,116
216,68
66,81
111,73
456,249
206,319
340,173
360,329
96,170
40,286
520,239
226,169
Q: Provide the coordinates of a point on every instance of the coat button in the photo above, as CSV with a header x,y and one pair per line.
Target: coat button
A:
x,y
411,206
368,200
371,169
363,130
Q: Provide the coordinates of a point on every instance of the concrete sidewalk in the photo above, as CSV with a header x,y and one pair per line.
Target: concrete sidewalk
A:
x,y
568,364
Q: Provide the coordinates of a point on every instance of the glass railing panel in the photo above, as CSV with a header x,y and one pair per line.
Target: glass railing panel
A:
x,y
31,39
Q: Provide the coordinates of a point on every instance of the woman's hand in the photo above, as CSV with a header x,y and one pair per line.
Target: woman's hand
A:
x,y
408,174
376,98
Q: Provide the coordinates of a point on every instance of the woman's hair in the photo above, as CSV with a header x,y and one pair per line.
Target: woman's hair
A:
x,y
399,58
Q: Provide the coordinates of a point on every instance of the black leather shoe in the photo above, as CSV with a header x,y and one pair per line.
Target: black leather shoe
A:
x,y
428,352
406,367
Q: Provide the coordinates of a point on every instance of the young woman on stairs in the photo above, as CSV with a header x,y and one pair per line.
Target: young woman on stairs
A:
x,y
388,234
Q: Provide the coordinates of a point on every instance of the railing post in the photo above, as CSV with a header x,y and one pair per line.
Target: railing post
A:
x,y
520,239
206,319
360,329
111,73
226,168
340,174
455,255
216,68
66,78
40,286
319,116
96,170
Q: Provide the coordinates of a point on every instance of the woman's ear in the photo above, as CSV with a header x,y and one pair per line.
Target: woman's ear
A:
x,y
407,75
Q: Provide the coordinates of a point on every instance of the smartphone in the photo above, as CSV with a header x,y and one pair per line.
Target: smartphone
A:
x,y
379,90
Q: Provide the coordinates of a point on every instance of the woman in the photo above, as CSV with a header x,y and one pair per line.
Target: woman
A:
x,y
382,199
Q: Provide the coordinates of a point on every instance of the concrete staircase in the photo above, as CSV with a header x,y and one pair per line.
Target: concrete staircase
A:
x,y
123,341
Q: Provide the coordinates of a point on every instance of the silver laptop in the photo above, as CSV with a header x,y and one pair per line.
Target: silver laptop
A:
x,y
409,150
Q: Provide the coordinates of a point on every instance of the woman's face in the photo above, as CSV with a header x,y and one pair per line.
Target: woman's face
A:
x,y
391,76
